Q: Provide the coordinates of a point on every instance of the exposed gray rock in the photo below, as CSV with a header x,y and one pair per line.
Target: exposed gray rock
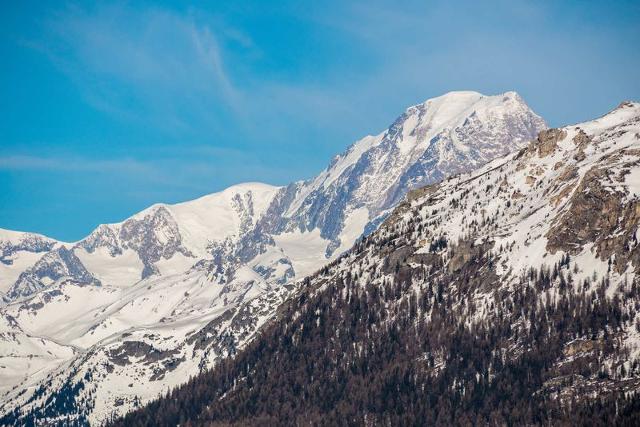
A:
x,y
55,265
28,242
143,236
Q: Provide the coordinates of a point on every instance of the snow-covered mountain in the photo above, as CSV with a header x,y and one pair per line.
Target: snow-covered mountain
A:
x,y
139,306
161,240
453,133
506,296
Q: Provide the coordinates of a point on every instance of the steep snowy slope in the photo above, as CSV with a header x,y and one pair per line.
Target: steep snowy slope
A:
x,y
453,133
189,284
27,359
508,296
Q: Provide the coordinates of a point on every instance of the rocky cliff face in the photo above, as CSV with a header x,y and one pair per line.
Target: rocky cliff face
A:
x,y
60,264
193,282
12,243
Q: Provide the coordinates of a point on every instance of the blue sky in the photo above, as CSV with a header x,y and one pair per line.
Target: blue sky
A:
x,y
107,109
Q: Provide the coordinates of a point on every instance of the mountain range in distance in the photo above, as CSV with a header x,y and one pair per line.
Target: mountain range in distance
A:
x,y
464,208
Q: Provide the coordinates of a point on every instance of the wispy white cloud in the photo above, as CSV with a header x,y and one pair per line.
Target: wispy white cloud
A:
x,y
147,64
174,71
26,162
197,169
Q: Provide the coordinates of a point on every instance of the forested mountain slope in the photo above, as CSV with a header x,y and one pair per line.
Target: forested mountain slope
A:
x,y
506,296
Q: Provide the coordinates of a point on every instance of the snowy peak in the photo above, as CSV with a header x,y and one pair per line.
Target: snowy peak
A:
x,y
443,136
211,217
456,114
18,251
626,111
227,214
184,232
12,242
437,113
17,236
59,264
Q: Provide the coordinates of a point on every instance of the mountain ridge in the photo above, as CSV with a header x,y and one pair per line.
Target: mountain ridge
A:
x,y
195,298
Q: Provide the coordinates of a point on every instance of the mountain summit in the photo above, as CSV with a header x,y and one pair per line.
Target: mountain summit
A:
x,y
453,133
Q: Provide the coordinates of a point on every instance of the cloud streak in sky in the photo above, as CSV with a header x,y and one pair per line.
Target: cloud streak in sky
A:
x,y
184,72
22,162
151,65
